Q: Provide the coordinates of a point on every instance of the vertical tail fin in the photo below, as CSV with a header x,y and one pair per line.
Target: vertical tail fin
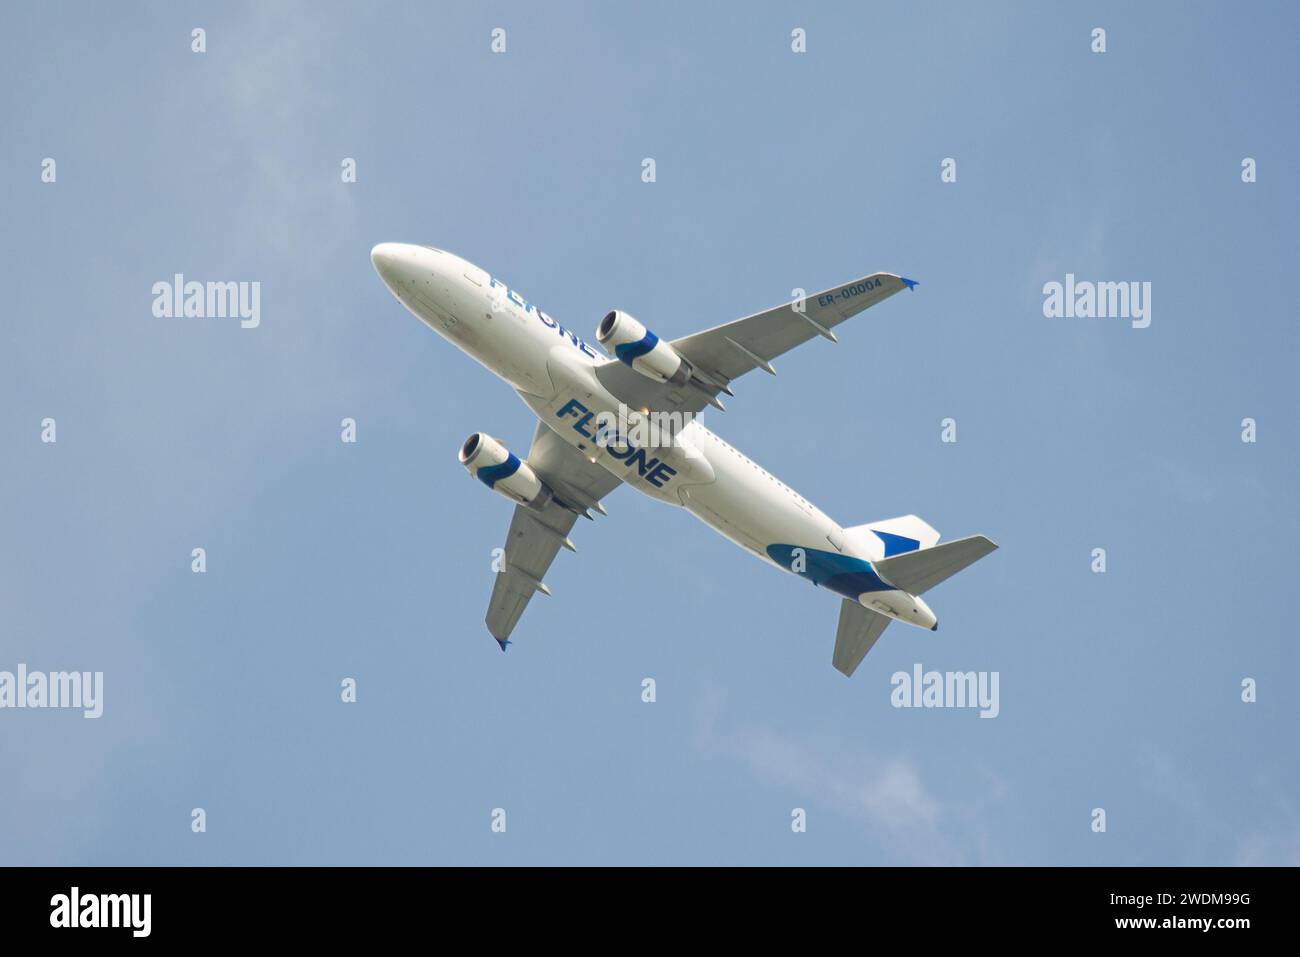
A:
x,y
907,533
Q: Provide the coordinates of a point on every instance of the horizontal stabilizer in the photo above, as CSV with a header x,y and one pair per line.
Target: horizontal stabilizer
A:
x,y
918,572
859,628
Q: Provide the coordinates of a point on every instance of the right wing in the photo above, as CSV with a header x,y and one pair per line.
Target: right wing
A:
x,y
858,630
731,350
726,352
537,534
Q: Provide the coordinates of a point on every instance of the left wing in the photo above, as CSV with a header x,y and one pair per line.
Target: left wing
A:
x,y
537,534
727,352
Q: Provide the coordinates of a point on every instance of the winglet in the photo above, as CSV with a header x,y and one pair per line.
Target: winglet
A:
x,y
503,642
909,283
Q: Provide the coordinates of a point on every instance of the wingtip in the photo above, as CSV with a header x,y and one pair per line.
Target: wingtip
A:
x,y
503,642
909,283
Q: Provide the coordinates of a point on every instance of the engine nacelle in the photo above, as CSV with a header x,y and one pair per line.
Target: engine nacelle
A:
x,y
502,471
640,348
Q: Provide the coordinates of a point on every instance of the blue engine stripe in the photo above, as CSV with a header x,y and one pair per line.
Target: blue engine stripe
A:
x,y
491,474
842,574
635,350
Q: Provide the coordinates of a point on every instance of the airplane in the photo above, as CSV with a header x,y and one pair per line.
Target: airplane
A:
x,y
631,417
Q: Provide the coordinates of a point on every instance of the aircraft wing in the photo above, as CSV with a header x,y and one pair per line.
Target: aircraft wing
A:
x,y
536,535
726,352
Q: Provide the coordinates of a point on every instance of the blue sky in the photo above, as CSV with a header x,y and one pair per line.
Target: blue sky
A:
x,y
775,170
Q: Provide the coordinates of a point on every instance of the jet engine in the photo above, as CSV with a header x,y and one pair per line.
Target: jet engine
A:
x,y
640,348
502,471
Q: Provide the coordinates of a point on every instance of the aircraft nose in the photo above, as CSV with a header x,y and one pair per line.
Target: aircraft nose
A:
x,y
397,264
385,257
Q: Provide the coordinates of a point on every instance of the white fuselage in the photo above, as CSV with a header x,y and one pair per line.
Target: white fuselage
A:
x,y
553,370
